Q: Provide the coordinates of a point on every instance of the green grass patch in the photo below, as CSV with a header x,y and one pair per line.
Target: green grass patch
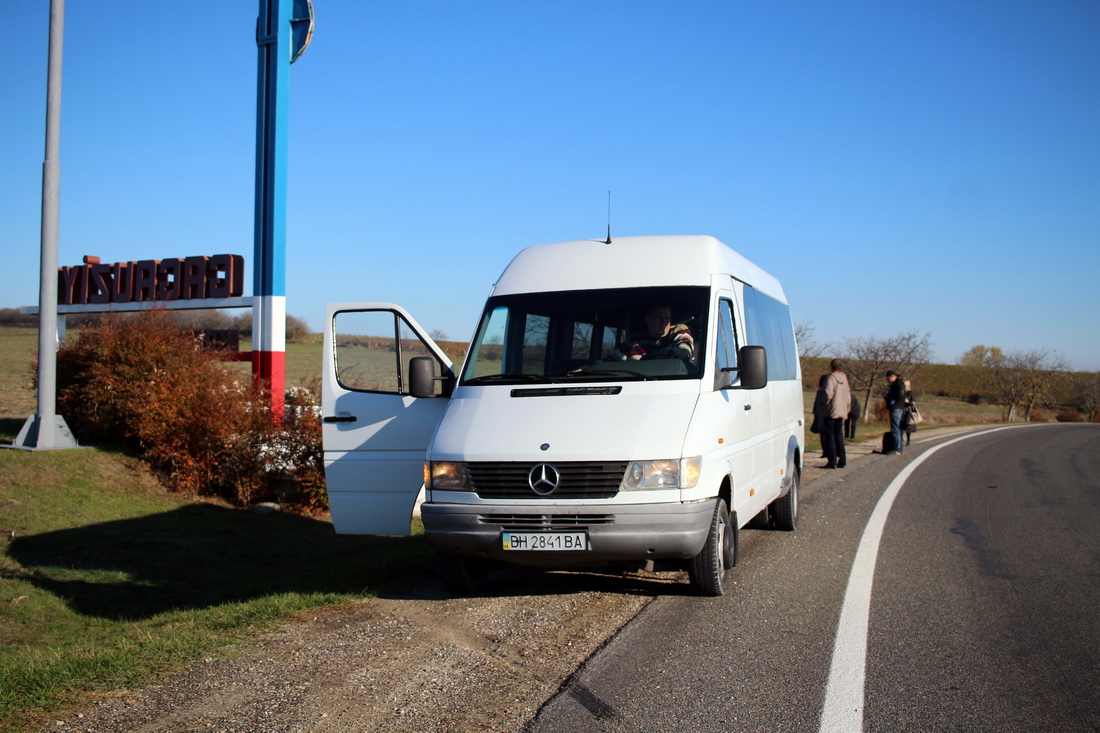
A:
x,y
17,396
111,582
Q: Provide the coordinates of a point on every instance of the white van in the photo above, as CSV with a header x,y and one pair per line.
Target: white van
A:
x,y
620,402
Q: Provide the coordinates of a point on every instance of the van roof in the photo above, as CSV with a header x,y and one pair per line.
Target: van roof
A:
x,y
589,264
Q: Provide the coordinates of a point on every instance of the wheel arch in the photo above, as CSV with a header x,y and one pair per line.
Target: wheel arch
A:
x,y
794,463
725,491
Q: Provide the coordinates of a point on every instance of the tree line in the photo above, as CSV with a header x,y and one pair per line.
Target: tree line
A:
x,y
1019,381
297,330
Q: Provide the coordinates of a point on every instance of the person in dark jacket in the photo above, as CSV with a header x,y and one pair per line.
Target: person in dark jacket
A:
x,y
896,405
851,420
821,410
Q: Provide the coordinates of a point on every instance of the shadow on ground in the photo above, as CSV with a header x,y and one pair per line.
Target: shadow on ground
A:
x,y
203,555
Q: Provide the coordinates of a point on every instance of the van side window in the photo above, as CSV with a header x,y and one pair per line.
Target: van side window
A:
x,y
727,336
768,324
372,351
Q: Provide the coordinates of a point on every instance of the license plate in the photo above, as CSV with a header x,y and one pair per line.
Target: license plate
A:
x,y
544,540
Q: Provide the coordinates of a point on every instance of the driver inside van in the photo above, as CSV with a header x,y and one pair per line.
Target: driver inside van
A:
x,y
663,339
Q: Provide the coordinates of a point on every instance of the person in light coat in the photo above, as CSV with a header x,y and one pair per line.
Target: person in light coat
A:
x,y
838,397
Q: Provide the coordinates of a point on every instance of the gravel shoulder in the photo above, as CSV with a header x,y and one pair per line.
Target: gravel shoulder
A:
x,y
431,663
422,662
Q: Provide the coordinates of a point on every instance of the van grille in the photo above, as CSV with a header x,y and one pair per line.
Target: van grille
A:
x,y
530,522
578,480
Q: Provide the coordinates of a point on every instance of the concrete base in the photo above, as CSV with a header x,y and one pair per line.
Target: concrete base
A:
x,y
36,435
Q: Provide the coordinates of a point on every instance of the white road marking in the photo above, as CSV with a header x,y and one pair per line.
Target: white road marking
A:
x,y
843,710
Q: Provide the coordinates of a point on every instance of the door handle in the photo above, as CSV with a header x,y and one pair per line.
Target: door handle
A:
x,y
747,407
339,418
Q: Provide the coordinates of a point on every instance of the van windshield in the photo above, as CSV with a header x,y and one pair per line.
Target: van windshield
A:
x,y
590,335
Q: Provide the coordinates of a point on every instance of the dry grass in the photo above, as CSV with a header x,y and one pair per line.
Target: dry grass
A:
x,y
18,347
936,411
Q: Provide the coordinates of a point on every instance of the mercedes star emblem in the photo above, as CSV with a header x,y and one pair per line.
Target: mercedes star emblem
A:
x,y
543,479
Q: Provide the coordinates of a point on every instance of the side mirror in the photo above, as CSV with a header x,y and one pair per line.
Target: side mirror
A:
x,y
752,364
422,376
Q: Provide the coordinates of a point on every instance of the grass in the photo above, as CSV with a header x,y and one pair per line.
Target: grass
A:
x,y
110,582
17,349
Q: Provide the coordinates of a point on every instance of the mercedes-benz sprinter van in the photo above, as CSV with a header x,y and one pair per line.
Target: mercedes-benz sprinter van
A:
x,y
621,401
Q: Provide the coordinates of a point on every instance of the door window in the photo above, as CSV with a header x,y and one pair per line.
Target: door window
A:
x,y
727,336
372,350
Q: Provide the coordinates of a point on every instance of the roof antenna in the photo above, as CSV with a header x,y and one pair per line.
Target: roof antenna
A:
x,y
608,218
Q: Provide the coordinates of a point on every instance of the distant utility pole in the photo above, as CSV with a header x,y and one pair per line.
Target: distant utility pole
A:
x,y
283,31
47,430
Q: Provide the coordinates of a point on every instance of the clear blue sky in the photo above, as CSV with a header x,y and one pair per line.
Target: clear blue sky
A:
x,y
924,165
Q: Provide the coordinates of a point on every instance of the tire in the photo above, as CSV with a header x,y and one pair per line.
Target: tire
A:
x,y
785,508
462,576
762,520
709,571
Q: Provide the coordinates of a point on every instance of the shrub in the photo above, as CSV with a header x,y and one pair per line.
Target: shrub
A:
x,y
1069,416
298,453
145,384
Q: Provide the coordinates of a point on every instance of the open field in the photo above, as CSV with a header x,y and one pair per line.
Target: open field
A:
x,y
17,380
303,367
17,349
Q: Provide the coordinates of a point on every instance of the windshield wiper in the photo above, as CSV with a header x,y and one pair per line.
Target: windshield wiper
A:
x,y
505,377
619,373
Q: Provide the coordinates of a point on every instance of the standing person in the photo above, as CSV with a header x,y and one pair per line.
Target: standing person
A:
x,y
895,403
907,423
851,420
838,398
821,411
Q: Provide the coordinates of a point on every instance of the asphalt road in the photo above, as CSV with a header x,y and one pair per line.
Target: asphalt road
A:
x,y
983,613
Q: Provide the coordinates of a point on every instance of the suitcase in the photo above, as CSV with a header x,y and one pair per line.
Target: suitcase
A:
x,y
888,445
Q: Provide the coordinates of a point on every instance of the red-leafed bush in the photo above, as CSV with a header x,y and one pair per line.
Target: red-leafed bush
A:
x,y
145,384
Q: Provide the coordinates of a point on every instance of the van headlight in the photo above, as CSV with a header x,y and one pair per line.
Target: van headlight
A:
x,y
447,476
666,474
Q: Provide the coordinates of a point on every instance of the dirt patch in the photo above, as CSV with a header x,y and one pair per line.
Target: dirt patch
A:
x,y
433,663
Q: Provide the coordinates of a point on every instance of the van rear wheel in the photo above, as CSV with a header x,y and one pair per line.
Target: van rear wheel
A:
x,y
785,508
709,571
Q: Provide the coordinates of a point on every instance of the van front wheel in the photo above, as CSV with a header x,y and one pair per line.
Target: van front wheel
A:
x,y
709,571
462,576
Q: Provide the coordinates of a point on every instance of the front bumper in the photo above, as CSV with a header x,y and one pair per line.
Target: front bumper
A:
x,y
620,532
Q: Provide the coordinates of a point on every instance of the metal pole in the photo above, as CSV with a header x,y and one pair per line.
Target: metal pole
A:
x,y
48,430
269,260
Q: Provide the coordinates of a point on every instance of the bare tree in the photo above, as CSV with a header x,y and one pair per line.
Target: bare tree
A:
x,y
807,345
438,334
866,360
296,328
1086,392
1025,379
